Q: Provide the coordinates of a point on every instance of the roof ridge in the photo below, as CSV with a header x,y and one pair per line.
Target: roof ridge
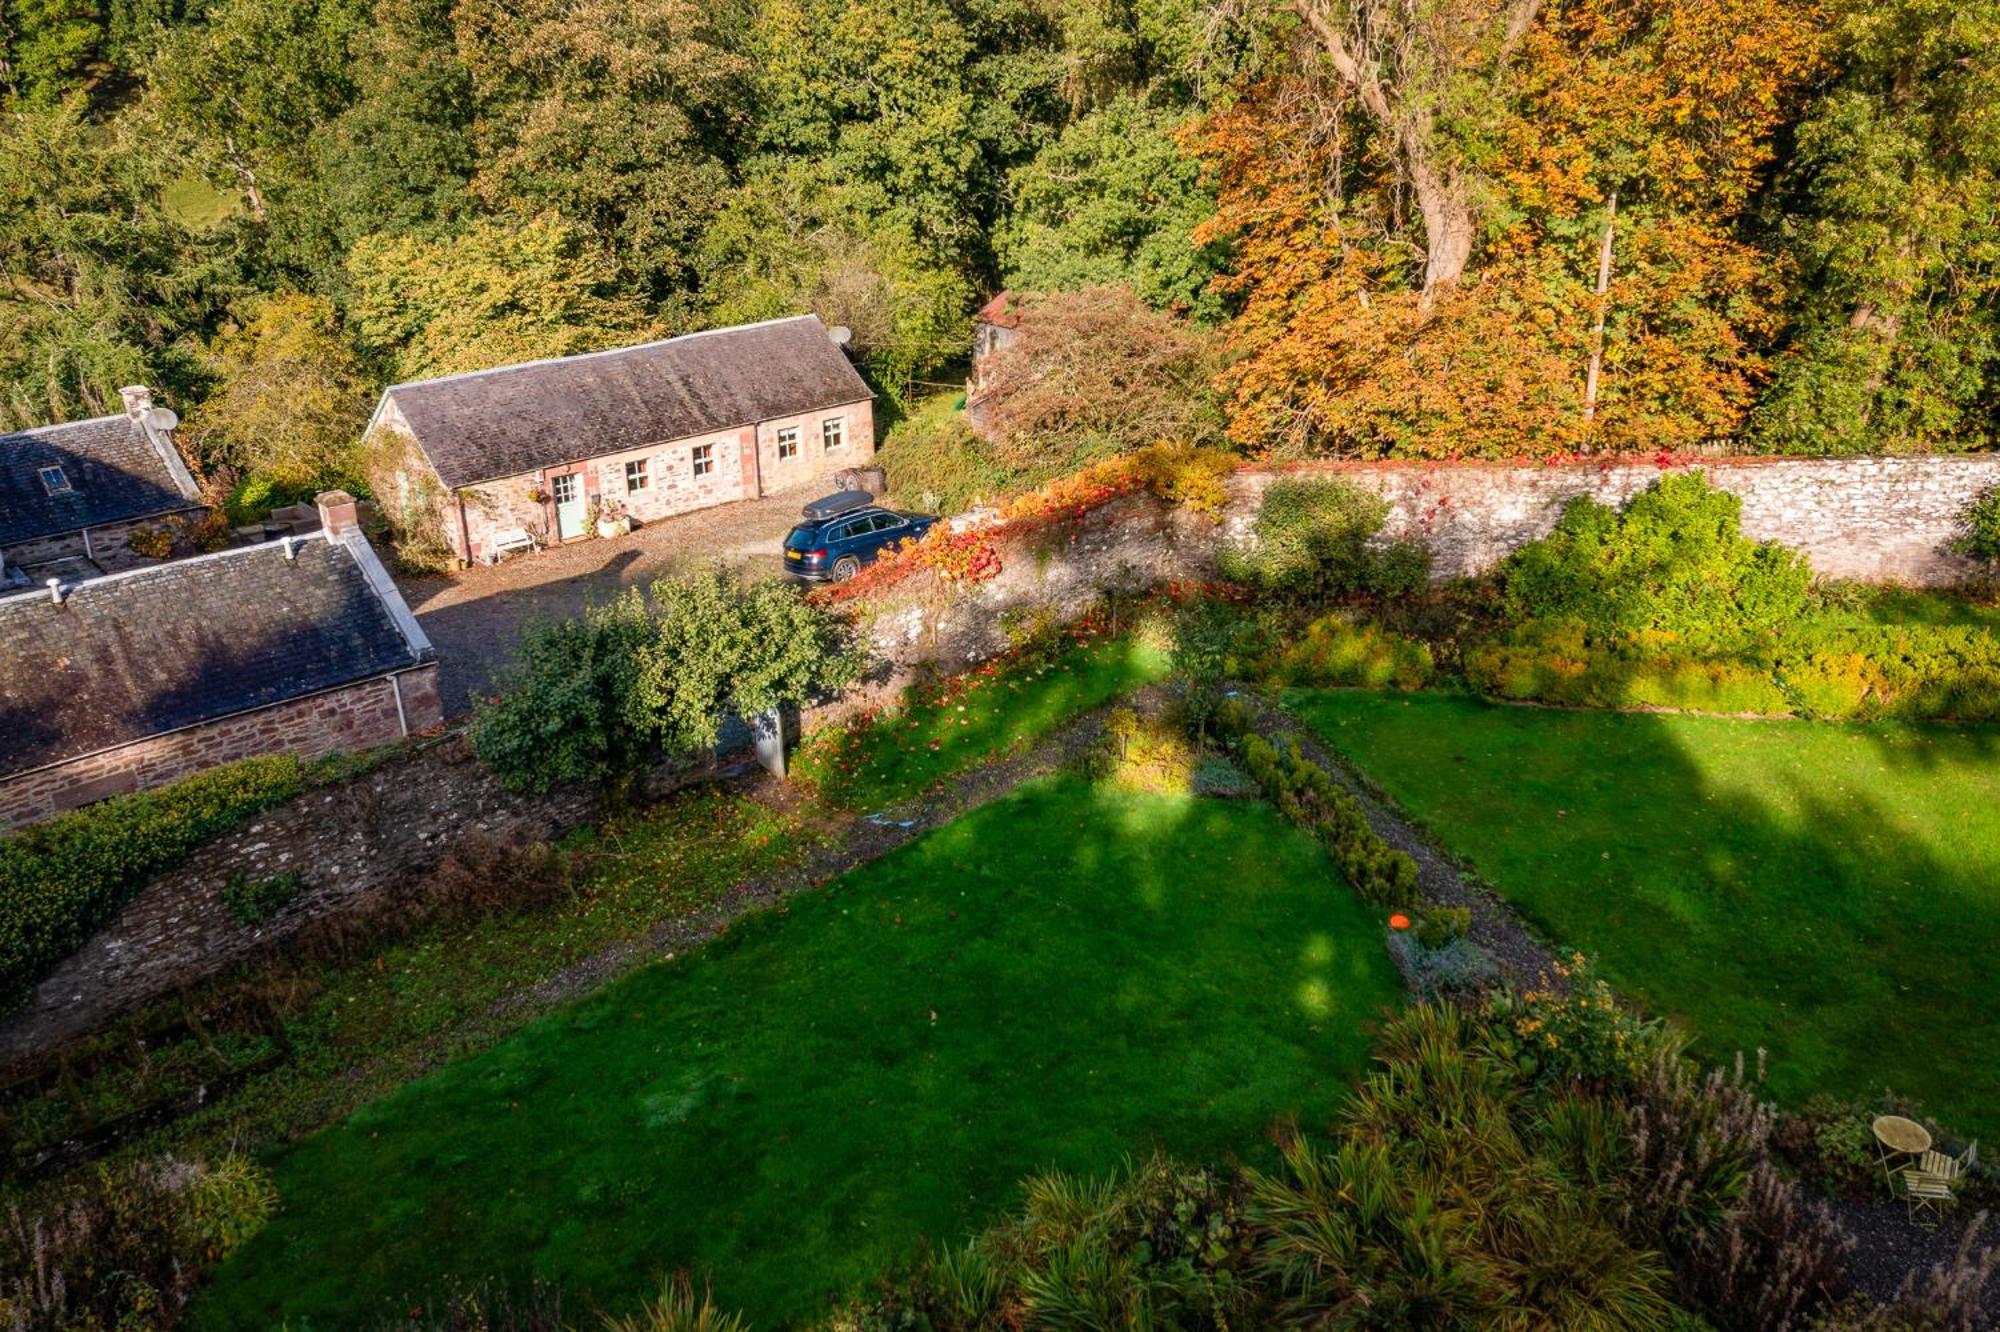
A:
x,y
124,575
607,351
29,432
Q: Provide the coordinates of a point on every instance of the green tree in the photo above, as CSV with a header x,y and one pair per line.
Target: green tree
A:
x,y
244,88
1113,201
566,712
48,47
616,115
1893,197
103,283
1674,561
722,648
494,294
291,399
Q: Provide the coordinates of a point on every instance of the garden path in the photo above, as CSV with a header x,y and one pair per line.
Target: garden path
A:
x,y
1523,959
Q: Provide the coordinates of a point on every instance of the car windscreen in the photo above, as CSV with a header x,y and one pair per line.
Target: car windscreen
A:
x,y
803,537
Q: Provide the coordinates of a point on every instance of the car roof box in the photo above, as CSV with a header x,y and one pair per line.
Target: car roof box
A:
x,y
843,501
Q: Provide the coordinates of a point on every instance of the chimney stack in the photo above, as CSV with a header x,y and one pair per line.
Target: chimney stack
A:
x,y
339,515
138,400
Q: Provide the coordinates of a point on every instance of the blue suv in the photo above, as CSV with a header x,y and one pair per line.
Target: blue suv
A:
x,y
844,533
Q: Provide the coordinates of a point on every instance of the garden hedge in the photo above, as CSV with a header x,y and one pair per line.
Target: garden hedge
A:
x,y
62,879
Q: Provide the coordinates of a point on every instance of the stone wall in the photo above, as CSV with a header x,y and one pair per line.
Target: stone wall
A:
x,y
1879,519
357,716
348,844
107,545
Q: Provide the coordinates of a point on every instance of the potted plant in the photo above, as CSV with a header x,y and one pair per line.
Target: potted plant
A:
x,y
610,519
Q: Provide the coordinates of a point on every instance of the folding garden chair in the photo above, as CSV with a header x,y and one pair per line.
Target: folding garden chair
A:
x,y
1948,1168
1924,1192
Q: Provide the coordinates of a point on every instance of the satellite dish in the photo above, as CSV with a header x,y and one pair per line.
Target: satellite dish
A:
x,y
162,419
841,335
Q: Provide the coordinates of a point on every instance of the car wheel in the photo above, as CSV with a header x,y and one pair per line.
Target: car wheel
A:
x,y
845,568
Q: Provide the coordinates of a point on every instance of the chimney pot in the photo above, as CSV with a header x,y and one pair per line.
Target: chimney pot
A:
x,y
338,513
138,400
55,591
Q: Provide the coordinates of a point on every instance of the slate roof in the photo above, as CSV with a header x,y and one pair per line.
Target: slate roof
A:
x,y
496,423
113,473
135,654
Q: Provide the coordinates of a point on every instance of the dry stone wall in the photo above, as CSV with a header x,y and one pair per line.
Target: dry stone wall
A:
x,y
1879,519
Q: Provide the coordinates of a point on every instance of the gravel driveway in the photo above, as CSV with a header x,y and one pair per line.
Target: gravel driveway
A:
x,y
475,617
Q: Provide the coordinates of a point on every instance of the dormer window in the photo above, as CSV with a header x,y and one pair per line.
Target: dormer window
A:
x,y
55,481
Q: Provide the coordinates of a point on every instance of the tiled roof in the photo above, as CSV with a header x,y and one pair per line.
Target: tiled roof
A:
x,y
135,654
1003,311
112,470
496,423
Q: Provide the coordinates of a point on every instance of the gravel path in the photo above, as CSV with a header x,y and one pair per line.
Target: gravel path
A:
x,y
1522,958
475,617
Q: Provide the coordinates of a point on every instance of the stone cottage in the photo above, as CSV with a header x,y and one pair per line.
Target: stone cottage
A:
x,y
996,326
71,495
642,432
133,679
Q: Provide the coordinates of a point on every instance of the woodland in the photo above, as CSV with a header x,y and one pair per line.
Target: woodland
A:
x,y
1424,228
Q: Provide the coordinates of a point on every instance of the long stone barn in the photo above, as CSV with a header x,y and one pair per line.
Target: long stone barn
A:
x,y
130,680
646,432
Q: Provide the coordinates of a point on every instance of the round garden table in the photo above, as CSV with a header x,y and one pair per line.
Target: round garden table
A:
x,y
1899,1137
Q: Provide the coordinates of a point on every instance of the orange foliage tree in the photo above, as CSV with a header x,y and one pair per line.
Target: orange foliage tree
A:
x,y
1627,143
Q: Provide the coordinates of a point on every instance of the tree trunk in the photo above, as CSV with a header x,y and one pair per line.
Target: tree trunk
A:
x,y
1603,305
1448,226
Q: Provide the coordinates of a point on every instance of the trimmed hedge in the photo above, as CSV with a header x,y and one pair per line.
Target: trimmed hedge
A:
x,y
1307,795
62,879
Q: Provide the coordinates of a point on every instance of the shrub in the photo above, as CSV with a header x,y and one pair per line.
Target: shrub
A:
x,y
1674,561
254,901
1335,650
1314,539
1439,925
1981,538
599,697
1182,474
1308,796
1450,966
62,879
934,462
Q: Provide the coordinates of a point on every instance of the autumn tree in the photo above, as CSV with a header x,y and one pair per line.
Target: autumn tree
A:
x,y
1093,373
291,398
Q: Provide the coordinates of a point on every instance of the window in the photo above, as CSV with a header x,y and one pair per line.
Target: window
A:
x,y
564,488
788,443
636,479
834,432
55,481
704,459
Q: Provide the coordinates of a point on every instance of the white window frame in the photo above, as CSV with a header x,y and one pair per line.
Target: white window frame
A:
x,y
833,433
702,458
61,485
639,480
788,443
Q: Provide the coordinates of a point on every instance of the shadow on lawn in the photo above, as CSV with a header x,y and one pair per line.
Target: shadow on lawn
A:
x,y
1831,894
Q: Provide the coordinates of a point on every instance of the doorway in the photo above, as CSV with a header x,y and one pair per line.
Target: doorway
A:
x,y
568,492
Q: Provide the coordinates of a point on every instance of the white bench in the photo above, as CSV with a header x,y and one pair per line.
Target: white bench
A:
x,y
509,540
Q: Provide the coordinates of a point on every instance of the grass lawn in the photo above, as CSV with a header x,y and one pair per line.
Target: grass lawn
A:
x,y
966,719
1829,892
1062,978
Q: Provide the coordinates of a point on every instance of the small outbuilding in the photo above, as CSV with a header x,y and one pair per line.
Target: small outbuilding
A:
x,y
74,494
553,448
130,680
